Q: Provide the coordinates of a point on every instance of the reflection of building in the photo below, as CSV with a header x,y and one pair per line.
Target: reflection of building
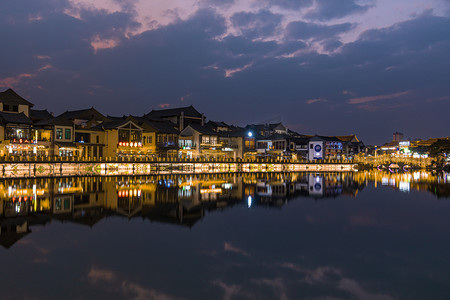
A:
x,y
177,199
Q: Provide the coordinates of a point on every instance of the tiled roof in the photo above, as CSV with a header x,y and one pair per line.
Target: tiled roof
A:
x,y
347,138
391,144
325,138
203,129
11,97
15,118
60,120
38,115
115,122
188,111
84,114
161,126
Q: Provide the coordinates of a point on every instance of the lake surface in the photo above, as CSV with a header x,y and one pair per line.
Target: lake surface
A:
x,y
361,235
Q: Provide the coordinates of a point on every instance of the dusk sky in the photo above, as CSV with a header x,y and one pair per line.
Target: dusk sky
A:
x,y
327,67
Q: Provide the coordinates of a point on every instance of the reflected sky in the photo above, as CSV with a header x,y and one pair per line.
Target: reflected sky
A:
x,y
84,238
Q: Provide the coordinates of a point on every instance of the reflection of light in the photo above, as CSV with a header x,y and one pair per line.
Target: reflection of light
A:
x,y
416,175
249,201
227,186
385,181
404,186
209,191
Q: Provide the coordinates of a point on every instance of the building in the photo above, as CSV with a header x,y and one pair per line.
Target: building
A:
x,y
11,102
351,145
57,137
397,137
198,141
180,117
324,147
16,135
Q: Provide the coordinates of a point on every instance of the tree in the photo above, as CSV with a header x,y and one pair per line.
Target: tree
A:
x,y
440,148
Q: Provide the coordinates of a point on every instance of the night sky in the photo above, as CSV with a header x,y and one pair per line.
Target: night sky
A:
x,y
320,66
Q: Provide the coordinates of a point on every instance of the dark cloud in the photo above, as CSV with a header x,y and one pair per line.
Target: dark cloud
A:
x,y
331,45
256,25
191,57
289,47
239,46
331,9
288,4
303,31
217,2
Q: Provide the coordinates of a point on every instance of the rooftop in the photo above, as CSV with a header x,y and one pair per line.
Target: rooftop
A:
x,y
189,111
84,114
12,98
15,118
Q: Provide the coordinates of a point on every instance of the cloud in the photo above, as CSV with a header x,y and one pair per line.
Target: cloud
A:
x,y
113,283
355,289
288,4
193,52
95,275
312,101
331,44
231,72
277,284
256,25
329,279
13,81
303,30
377,98
331,9
39,249
230,248
218,2
229,290
98,43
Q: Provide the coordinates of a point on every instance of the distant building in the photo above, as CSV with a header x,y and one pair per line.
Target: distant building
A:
x,y
397,137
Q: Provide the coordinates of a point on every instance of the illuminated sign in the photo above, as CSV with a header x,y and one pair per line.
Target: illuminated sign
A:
x,y
404,144
317,148
209,191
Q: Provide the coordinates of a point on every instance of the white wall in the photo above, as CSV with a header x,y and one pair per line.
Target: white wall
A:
x,y
317,151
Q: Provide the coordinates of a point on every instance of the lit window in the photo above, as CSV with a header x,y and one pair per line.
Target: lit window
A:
x,y
59,134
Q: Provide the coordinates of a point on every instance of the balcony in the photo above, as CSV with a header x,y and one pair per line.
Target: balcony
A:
x,y
212,146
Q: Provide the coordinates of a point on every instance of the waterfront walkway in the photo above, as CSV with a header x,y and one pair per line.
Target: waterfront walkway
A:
x,y
70,167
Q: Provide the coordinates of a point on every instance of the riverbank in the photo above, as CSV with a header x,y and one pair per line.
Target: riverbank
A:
x,y
113,168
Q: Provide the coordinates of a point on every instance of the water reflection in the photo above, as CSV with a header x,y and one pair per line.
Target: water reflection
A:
x,y
179,199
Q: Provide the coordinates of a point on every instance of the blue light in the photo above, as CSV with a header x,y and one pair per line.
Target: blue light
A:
x,y
249,201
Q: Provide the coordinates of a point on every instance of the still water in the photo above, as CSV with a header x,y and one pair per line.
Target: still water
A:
x,y
362,235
